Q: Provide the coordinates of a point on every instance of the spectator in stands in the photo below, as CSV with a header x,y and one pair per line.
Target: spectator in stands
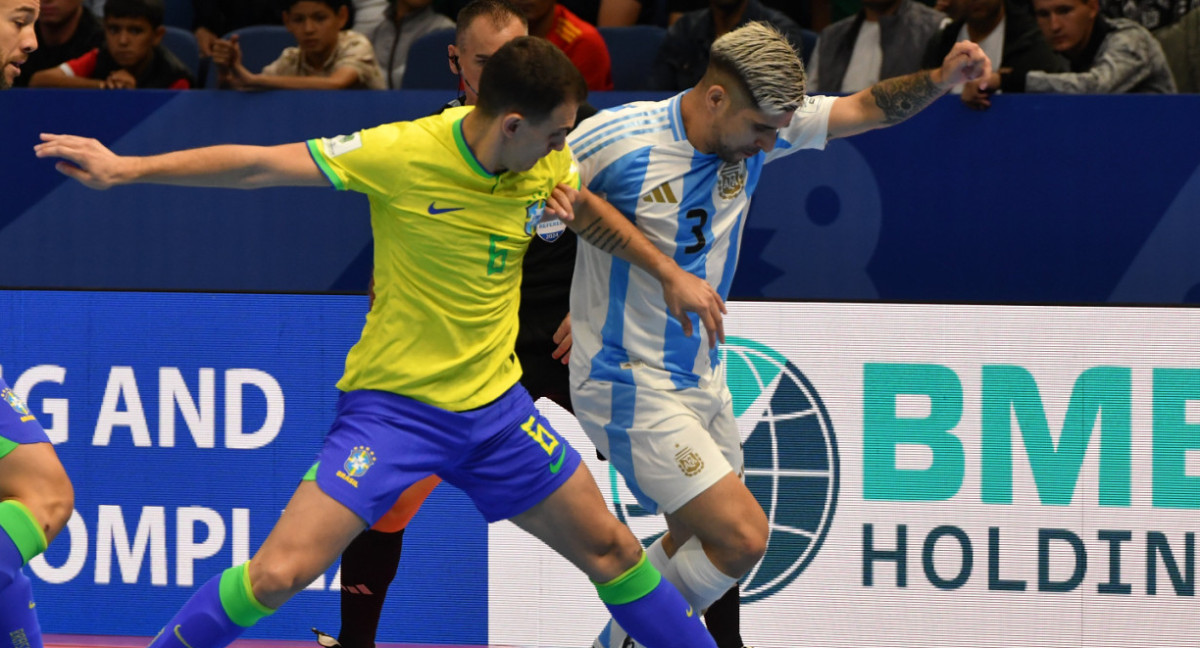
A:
x,y
1181,44
1106,55
132,55
885,39
65,30
624,13
368,15
799,11
215,18
683,57
329,57
407,20
1151,14
1006,31
577,39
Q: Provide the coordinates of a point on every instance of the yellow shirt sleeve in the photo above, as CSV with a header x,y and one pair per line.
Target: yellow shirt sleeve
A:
x,y
367,161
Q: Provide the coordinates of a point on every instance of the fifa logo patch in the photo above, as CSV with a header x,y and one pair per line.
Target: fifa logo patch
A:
x,y
689,462
17,404
357,464
731,179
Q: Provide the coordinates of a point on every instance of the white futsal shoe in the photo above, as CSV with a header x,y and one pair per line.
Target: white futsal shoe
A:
x,y
613,636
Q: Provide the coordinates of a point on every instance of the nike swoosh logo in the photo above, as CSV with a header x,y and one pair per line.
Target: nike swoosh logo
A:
x,y
557,465
180,637
434,211
690,611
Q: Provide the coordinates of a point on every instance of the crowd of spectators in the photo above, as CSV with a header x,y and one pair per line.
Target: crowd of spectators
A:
x,y
1065,46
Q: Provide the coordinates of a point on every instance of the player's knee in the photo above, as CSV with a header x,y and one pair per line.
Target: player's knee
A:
x,y
613,553
743,545
275,581
53,504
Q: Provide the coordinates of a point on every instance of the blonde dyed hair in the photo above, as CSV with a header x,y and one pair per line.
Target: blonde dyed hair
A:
x,y
764,62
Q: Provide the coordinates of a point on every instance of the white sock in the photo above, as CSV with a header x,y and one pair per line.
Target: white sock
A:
x,y
700,582
658,557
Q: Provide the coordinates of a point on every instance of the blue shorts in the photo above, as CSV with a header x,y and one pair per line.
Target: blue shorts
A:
x,y
17,425
504,455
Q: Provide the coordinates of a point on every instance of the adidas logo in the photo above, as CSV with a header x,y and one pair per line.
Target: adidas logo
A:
x,y
661,194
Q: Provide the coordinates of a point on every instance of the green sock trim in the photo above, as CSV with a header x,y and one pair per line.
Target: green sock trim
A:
x,y
237,597
18,522
638,581
311,475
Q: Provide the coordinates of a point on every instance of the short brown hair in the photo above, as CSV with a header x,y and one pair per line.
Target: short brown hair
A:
x,y
529,75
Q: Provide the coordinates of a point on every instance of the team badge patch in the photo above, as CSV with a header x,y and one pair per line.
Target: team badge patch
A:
x,y
357,464
550,230
533,215
689,462
17,404
731,179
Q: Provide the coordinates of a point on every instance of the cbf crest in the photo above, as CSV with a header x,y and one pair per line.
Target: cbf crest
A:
x,y
731,179
17,404
357,464
535,222
533,215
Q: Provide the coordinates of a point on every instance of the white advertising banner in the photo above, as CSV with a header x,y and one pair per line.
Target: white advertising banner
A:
x,y
936,475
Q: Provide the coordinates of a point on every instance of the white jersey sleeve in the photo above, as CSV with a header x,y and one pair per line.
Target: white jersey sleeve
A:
x,y
809,128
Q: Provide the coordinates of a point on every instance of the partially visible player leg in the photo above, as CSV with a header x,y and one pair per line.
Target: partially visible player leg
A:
x,y
677,451
575,522
369,566
724,619
527,473
293,555
36,500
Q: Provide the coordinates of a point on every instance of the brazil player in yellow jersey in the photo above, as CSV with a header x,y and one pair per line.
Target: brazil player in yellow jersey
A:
x,y
431,386
36,497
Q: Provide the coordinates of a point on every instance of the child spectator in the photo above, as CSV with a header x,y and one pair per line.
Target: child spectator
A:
x,y
329,57
132,55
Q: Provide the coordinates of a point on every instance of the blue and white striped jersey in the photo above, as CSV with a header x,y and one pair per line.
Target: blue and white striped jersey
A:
x,y
692,206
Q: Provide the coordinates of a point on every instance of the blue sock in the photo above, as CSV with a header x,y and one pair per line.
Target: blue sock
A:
x,y
18,618
652,611
220,611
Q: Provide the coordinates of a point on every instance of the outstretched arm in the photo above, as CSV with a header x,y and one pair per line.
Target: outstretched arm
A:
x,y
600,224
230,166
892,101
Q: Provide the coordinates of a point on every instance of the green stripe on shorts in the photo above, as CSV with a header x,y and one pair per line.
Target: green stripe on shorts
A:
x,y
7,446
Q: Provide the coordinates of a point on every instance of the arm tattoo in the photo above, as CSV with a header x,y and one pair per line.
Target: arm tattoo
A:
x,y
603,237
903,97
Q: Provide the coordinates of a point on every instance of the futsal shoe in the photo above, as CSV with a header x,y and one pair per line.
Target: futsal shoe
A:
x,y
614,637
326,641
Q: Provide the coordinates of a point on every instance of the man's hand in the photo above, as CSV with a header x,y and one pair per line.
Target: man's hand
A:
x,y
686,293
205,39
561,203
966,62
87,160
974,96
562,337
227,55
120,80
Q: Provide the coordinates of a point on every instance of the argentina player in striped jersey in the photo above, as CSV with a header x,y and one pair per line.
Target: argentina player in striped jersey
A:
x,y
647,388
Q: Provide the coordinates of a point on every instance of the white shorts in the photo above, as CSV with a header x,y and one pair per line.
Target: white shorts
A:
x,y
669,445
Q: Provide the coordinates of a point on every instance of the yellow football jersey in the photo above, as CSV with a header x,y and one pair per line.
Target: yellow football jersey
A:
x,y
449,241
